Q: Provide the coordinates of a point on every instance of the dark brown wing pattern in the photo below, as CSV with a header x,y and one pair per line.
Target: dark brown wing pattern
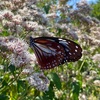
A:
x,y
51,52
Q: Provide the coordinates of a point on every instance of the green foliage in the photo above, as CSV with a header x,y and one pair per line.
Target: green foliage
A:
x,y
67,82
55,79
3,97
96,10
45,5
76,87
46,8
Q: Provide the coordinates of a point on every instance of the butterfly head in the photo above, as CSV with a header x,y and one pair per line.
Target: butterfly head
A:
x,y
31,41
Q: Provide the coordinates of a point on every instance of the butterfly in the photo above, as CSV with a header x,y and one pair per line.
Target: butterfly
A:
x,y
52,51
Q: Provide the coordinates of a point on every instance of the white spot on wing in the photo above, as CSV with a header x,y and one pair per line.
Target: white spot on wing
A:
x,y
75,50
70,54
58,46
76,46
60,39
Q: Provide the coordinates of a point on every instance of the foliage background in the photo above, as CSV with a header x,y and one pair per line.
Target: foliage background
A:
x,y
20,76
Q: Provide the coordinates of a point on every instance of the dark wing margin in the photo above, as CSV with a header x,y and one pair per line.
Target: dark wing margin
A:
x,y
73,50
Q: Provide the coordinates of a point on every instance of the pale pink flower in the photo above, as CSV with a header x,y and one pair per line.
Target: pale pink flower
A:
x,y
52,15
20,55
1,16
22,59
7,14
17,19
30,25
40,81
68,29
96,58
82,96
97,82
28,69
17,1
8,24
17,46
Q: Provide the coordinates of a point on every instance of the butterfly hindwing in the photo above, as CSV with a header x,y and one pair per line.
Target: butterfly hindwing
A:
x,y
73,50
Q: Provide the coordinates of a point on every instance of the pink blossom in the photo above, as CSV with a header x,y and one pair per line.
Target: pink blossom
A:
x,y
20,55
17,19
39,80
7,14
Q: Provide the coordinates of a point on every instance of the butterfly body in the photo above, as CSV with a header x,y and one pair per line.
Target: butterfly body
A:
x,y
51,51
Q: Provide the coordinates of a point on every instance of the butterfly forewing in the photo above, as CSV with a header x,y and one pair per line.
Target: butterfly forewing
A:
x,y
48,52
73,50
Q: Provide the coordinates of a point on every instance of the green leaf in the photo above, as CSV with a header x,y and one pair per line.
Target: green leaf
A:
x,y
12,68
46,8
3,97
4,33
21,85
49,95
55,79
76,88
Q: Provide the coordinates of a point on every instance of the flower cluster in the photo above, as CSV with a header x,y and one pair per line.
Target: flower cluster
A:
x,y
25,18
39,81
82,14
29,18
21,57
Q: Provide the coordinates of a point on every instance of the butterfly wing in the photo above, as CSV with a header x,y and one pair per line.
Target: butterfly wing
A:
x,y
48,52
52,51
73,50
